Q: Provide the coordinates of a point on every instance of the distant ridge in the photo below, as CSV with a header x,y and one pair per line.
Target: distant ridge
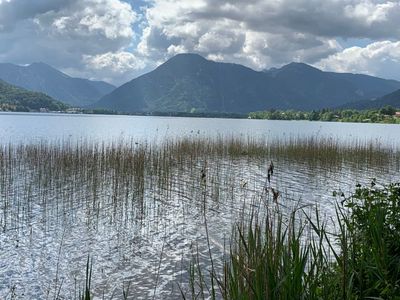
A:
x,y
191,83
392,99
41,77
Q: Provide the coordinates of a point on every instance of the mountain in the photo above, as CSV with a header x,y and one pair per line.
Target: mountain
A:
x,y
190,83
18,99
43,78
392,99
330,88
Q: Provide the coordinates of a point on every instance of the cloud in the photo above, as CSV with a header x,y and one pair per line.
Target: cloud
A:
x,y
228,41
110,39
254,33
92,26
64,33
378,59
111,65
109,19
14,11
328,18
119,62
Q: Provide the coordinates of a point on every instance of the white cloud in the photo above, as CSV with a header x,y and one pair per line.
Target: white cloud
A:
x,y
176,49
220,41
263,33
64,33
378,58
121,65
118,62
229,31
109,19
92,37
369,12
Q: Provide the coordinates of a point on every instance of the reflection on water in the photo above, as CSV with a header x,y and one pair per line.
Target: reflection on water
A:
x,y
140,217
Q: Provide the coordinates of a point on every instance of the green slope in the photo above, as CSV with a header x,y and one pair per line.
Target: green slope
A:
x,y
13,98
190,83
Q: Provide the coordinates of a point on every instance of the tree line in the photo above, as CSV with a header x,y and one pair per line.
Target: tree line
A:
x,y
385,114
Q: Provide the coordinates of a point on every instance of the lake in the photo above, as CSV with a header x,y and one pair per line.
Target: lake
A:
x,y
16,127
116,189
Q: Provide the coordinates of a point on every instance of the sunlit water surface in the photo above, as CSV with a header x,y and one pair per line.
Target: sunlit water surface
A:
x,y
147,245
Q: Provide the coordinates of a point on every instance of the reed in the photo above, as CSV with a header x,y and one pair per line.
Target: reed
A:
x,y
86,294
123,181
283,257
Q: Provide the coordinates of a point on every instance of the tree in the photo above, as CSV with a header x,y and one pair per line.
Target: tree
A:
x,y
387,110
313,116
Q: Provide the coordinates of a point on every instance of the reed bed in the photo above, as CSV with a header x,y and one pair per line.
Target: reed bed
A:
x,y
124,182
296,256
127,169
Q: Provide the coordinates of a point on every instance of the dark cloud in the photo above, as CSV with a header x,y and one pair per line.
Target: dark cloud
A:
x,y
63,33
18,10
263,33
114,40
328,18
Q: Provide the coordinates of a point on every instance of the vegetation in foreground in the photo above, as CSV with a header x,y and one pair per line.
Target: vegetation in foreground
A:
x,y
66,177
291,257
386,114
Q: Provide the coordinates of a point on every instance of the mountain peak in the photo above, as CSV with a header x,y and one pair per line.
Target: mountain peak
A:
x,y
39,64
45,69
293,67
183,62
297,66
186,58
191,61
189,82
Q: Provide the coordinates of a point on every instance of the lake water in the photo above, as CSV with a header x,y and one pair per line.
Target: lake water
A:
x,y
24,127
46,235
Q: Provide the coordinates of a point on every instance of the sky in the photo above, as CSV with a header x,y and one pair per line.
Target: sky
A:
x,y
117,40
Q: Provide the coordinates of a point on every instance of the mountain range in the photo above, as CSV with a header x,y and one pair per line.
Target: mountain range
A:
x,y
191,83
43,78
18,99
